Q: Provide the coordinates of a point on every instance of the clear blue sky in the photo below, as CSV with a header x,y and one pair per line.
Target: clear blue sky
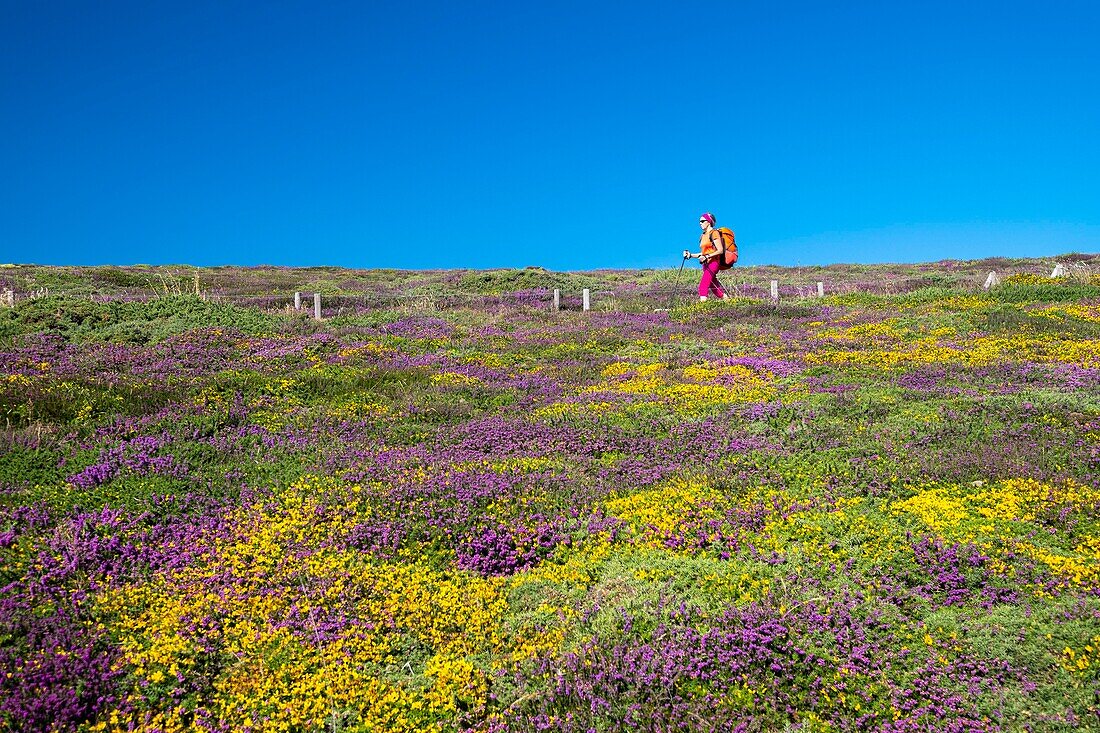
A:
x,y
571,135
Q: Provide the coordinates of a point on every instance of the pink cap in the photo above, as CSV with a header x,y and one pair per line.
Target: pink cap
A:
x,y
709,217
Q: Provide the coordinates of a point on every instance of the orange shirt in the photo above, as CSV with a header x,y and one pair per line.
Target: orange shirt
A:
x,y
707,241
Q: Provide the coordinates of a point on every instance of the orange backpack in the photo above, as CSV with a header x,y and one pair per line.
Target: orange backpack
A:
x,y
730,257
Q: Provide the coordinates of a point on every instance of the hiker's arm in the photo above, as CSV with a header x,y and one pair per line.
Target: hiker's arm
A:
x,y
720,248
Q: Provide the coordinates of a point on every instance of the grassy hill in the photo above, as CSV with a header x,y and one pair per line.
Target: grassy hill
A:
x,y
465,511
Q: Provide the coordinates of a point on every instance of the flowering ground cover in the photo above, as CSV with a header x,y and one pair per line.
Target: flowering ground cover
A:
x,y
873,511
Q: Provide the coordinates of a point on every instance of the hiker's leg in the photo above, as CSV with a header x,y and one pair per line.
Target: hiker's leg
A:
x,y
717,286
712,270
705,281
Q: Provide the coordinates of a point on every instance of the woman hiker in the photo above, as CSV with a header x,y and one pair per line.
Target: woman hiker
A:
x,y
711,249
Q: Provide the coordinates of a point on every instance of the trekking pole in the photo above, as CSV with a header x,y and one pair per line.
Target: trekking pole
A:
x,y
676,283
721,286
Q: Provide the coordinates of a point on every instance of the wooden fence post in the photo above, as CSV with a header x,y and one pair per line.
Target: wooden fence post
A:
x,y
585,298
820,289
297,301
317,306
775,290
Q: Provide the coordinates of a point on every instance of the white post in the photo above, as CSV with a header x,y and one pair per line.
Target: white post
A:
x,y
775,290
584,298
820,289
557,299
317,306
297,301
991,280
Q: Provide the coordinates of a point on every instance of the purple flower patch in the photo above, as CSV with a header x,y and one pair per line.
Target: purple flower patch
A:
x,y
503,550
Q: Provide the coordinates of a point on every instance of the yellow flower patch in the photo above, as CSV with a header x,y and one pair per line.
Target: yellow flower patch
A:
x,y
455,680
619,368
1082,569
580,567
560,410
368,349
816,530
1029,278
359,406
1019,499
887,330
1073,310
977,351
267,580
935,507
659,513
19,380
129,721
951,303
982,513
1081,661
695,392
739,373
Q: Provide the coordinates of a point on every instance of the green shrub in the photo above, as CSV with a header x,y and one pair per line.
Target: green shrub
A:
x,y
145,322
54,278
331,383
21,466
120,277
1007,318
370,319
1051,291
496,282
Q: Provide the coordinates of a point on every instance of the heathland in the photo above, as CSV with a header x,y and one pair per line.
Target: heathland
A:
x,y
447,506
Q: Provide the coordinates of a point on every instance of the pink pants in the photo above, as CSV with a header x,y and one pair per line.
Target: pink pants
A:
x,y
710,280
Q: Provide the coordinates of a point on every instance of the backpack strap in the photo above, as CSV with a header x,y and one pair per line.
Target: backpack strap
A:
x,y
721,240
